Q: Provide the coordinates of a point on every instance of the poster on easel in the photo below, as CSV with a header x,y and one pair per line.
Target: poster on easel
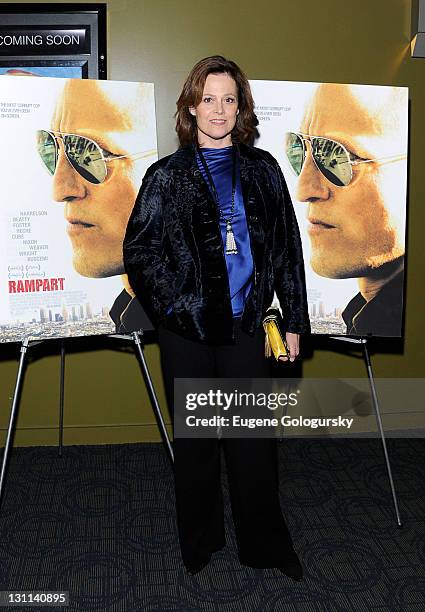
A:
x,y
343,152
73,155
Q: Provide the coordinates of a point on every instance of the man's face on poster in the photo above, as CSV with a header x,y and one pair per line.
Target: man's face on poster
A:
x,y
97,214
356,228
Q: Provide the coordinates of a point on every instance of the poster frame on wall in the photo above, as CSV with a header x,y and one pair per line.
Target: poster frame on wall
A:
x,y
48,35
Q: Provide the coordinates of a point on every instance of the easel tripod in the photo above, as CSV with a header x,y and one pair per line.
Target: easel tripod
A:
x,y
363,343
136,338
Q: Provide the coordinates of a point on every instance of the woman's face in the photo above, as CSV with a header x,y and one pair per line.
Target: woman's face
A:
x,y
216,112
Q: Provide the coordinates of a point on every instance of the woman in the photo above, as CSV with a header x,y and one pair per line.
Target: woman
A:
x,y
212,235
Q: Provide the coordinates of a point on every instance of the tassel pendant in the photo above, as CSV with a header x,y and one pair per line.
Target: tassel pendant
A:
x,y
231,248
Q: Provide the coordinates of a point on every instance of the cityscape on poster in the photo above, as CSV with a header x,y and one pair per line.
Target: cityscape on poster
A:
x,y
343,152
73,157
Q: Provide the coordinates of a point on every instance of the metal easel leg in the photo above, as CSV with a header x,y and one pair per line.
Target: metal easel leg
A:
x,y
62,397
380,427
13,413
152,395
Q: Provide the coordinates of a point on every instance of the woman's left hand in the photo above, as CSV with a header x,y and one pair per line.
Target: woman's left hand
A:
x,y
293,342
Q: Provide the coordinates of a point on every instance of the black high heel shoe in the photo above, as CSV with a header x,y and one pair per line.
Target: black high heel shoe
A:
x,y
200,566
197,568
292,567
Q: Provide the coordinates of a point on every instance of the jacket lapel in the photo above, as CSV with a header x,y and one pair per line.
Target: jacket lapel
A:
x,y
254,209
247,175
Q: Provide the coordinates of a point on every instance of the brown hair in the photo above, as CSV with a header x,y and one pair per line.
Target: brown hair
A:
x,y
245,130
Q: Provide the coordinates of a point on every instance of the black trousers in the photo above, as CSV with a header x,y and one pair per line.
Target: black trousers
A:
x,y
261,532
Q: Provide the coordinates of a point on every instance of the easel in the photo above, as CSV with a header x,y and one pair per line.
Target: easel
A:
x,y
135,337
363,343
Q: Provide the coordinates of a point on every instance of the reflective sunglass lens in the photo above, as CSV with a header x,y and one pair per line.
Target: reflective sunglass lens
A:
x,y
332,160
295,151
46,147
86,157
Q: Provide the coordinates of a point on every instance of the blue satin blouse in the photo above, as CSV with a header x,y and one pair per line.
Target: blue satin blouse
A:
x,y
239,266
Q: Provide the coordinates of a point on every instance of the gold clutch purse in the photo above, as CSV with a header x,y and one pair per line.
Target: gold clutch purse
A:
x,y
275,340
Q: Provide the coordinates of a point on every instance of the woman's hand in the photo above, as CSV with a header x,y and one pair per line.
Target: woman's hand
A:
x,y
293,342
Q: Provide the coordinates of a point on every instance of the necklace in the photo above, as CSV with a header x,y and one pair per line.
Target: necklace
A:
x,y
231,247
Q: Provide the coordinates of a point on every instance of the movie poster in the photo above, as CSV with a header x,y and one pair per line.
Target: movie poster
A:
x,y
343,152
73,155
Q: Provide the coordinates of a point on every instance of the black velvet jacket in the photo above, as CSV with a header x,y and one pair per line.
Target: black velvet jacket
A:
x,y
174,256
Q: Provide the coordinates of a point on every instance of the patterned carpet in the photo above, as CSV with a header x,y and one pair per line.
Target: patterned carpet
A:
x,y
100,523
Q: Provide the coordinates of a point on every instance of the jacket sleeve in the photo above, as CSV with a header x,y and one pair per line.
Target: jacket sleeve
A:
x,y
145,260
288,262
